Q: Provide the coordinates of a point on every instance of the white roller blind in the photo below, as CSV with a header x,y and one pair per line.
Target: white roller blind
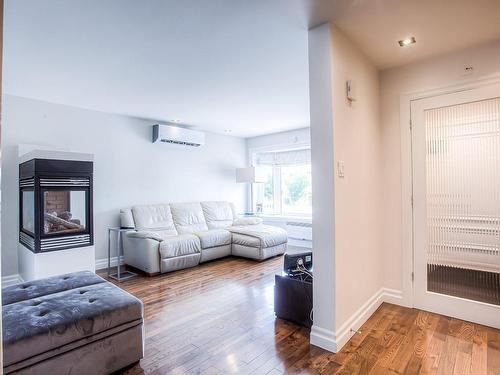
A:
x,y
291,157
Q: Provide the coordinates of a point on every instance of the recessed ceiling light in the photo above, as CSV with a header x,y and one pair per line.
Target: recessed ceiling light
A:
x,y
407,41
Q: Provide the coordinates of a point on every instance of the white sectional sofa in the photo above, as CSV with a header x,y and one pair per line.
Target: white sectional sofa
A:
x,y
169,237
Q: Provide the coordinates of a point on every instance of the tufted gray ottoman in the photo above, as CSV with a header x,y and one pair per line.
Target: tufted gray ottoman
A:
x,y
70,324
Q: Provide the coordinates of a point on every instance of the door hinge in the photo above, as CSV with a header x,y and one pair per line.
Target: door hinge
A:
x,y
411,200
411,125
412,276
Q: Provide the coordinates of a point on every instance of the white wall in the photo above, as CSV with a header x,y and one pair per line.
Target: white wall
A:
x,y
439,72
346,221
128,168
358,203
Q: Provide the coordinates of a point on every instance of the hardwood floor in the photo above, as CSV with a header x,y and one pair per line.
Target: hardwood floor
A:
x,y
218,318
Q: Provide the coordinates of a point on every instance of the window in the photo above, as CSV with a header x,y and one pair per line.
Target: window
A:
x,y
287,182
28,210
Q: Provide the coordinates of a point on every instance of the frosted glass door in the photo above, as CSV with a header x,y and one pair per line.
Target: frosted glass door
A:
x,y
456,140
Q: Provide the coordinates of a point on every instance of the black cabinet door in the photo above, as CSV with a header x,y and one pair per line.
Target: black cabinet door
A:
x,y
293,300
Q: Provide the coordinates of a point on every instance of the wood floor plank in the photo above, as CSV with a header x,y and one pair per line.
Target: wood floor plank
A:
x,y
493,353
447,361
430,362
462,364
218,318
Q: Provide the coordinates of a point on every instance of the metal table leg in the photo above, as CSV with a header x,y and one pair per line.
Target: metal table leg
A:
x,y
109,252
119,275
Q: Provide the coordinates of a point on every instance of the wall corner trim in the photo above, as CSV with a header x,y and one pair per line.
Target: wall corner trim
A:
x,y
323,338
334,341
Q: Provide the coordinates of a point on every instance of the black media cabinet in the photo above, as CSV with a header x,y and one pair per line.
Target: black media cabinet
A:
x,y
293,298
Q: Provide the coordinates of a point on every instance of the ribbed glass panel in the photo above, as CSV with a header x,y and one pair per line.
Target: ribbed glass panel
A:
x,y
463,200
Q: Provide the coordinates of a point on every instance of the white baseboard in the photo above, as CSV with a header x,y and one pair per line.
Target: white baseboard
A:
x,y
11,280
395,297
103,263
334,341
99,265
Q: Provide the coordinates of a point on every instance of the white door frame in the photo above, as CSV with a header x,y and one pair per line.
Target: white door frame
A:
x,y
442,303
407,173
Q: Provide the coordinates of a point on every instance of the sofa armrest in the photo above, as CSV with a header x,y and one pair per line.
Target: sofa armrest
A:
x,y
142,252
145,235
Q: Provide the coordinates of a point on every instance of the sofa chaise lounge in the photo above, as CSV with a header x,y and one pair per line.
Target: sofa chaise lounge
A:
x,y
169,237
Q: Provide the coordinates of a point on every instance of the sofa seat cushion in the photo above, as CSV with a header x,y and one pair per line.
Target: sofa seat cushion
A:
x,y
188,217
39,288
35,326
214,237
258,235
183,244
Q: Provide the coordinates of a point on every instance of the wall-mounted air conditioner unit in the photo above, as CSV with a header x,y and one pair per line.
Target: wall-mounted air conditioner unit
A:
x,y
178,135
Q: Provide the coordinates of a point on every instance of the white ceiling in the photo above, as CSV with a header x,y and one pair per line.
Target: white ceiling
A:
x,y
238,65
215,64
439,26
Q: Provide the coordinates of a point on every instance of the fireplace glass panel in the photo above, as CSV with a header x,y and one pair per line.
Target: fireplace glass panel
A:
x,y
64,211
29,211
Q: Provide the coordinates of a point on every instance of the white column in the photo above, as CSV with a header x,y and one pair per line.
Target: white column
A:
x,y
320,89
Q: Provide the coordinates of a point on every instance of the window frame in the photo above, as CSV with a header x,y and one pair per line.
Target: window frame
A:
x,y
277,198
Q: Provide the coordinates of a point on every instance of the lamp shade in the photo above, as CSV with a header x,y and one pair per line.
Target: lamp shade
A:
x,y
249,175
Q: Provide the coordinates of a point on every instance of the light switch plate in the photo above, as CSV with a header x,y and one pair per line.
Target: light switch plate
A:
x,y
340,168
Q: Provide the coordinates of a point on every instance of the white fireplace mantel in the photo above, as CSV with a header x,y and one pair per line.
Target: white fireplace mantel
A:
x,y
34,266
28,152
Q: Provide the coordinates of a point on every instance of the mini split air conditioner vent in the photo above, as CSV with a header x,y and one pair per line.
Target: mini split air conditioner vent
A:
x,y
177,135
180,143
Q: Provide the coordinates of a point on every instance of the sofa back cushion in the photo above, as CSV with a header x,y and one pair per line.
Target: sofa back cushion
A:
x,y
188,217
157,216
218,214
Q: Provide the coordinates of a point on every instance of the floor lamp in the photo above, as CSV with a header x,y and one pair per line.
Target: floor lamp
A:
x,y
248,175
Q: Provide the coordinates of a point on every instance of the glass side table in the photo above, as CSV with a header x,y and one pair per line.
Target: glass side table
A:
x,y
119,275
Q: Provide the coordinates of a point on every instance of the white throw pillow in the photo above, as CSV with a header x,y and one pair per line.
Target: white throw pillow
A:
x,y
247,221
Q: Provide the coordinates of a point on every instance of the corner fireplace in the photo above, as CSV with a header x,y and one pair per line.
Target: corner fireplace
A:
x,y
55,204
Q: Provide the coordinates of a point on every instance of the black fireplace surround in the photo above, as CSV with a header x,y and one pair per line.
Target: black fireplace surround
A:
x,y
55,204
